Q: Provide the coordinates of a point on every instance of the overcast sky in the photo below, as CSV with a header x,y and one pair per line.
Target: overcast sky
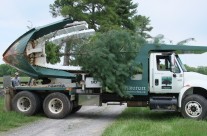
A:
x,y
175,19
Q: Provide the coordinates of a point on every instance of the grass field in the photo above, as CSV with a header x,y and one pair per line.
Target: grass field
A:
x,y
23,79
143,122
10,120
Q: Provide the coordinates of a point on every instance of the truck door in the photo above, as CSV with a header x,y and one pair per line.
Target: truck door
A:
x,y
163,80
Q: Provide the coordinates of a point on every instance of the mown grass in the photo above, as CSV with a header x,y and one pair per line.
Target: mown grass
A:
x,y
143,122
12,119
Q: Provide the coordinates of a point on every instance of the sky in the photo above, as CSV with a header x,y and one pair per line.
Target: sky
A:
x,y
177,20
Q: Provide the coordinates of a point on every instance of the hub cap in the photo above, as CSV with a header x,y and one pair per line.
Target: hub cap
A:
x,y
193,109
55,105
24,104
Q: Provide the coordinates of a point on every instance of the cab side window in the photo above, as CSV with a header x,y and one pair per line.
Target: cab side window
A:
x,y
177,70
163,63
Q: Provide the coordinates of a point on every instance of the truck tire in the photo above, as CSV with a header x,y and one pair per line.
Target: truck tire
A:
x,y
26,102
71,107
75,109
57,105
194,107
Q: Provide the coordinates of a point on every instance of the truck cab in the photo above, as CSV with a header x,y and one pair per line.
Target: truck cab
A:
x,y
166,85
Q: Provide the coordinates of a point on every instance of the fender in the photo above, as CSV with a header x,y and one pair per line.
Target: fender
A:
x,y
189,88
182,92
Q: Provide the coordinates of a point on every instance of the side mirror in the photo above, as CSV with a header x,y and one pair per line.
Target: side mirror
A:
x,y
172,62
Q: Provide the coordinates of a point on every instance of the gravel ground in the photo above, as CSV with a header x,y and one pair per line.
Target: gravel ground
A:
x,y
89,121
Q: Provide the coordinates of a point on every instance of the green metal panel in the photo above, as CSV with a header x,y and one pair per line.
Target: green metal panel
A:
x,y
46,88
165,47
16,57
41,31
42,72
33,88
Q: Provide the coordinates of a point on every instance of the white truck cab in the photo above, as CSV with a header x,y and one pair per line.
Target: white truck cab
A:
x,y
168,75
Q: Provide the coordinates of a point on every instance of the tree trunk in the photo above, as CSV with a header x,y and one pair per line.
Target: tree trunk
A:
x,y
66,56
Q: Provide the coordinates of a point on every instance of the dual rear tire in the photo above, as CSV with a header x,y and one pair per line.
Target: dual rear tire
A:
x,y
56,105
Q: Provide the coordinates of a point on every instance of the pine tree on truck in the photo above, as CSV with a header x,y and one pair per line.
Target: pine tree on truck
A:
x,y
163,84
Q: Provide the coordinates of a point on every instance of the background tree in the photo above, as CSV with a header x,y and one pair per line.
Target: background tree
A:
x,y
101,15
126,10
53,53
200,69
5,69
91,11
69,53
142,25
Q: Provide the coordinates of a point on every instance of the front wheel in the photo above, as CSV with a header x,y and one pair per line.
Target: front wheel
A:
x,y
57,105
194,107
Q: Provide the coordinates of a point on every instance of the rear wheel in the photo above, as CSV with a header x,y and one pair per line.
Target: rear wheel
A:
x,y
194,107
26,102
57,105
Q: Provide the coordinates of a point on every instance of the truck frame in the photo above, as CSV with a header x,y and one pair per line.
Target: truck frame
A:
x,y
163,84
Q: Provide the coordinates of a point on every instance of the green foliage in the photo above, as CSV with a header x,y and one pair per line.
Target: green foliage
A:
x,y
103,15
142,25
52,52
91,11
69,53
126,9
201,69
143,122
6,69
108,57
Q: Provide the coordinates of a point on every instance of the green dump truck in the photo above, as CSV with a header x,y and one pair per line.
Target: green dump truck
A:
x,y
163,85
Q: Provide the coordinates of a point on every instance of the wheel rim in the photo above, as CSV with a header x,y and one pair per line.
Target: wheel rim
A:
x,y
193,109
55,105
24,104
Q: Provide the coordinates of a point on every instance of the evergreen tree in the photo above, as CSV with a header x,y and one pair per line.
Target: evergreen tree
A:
x,y
102,15
126,10
142,25
109,56
91,11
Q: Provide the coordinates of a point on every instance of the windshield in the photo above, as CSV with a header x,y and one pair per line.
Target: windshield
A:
x,y
181,64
